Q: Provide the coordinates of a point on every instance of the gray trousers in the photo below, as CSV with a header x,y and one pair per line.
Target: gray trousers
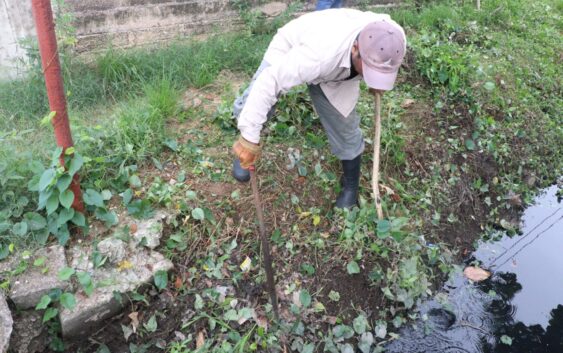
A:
x,y
344,134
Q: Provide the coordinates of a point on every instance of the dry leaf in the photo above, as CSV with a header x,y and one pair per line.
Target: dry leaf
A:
x,y
407,103
261,321
178,282
329,319
476,274
134,316
124,265
245,265
200,339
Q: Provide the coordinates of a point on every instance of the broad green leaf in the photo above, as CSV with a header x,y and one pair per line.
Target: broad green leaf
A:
x,y
198,304
135,181
40,261
366,341
65,273
334,296
47,178
231,315
103,349
383,228
4,226
66,198
342,332
161,279
75,164
52,203
109,217
64,216
172,144
469,144
63,235
46,120
43,302
305,298
43,197
22,201
151,325
34,221
245,314
93,198
106,195
191,195
308,348
127,195
20,229
55,157
49,314
353,267
360,324
79,219
86,282
68,300
489,86
197,213
64,182
380,329
69,151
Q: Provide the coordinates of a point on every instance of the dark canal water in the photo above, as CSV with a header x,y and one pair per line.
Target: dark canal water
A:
x,y
518,310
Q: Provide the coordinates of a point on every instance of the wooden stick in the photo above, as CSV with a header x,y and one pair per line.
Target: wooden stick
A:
x,y
265,244
376,144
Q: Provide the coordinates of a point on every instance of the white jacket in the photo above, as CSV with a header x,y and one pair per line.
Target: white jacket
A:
x,y
315,49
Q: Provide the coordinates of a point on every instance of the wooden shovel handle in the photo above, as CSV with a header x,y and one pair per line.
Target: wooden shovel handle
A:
x,y
376,147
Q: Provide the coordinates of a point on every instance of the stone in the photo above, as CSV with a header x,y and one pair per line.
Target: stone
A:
x,y
90,311
273,9
114,249
149,231
5,324
27,288
29,335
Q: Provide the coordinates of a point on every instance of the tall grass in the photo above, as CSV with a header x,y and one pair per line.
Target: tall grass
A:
x,y
119,74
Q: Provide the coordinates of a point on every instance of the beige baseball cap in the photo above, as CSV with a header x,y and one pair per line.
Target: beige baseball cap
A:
x,y
382,48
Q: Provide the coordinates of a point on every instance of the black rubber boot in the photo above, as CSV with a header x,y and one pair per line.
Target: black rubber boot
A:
x,y
350,182
240,174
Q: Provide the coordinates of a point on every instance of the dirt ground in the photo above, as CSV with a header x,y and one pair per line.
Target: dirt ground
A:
x,y
173,306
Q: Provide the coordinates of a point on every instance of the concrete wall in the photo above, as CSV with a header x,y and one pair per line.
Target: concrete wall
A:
x,y
16,23
127,23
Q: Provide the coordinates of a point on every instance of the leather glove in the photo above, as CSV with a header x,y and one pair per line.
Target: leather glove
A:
x,y
247,152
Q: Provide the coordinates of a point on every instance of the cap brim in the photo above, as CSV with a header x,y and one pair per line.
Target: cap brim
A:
x,y
378,80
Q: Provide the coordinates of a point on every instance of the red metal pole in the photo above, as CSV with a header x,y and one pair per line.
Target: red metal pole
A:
x,y
47,39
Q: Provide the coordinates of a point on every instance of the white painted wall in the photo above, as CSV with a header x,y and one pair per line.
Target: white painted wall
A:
x,y
16,23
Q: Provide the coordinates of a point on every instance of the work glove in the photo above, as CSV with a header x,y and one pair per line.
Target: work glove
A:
x,y
247,152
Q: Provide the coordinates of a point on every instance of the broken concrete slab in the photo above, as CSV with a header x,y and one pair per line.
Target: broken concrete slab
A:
x,y
27,288
137,268
114,249
149,231
5,324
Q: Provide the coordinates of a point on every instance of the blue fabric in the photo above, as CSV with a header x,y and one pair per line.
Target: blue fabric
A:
x,y
328,4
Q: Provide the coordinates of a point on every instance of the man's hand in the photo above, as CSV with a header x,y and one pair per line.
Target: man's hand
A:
x,y
247,152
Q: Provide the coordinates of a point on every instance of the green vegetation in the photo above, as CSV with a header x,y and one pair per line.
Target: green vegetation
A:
x,y
470,133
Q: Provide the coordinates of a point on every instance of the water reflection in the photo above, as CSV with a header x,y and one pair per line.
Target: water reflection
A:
x,y
518,310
